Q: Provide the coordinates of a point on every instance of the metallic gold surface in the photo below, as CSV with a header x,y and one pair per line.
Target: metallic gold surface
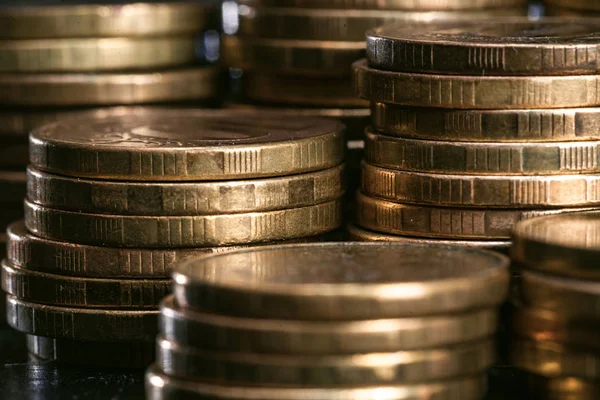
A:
x,y
81,323
224,333
56,90
12,187
185,145
480,92
564,388
324,370
559,125
482,158
481,190
417,5
182,231
443,222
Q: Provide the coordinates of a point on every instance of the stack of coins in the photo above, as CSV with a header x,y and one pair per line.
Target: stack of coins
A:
x,y
114,202
556,318
464,157
572,8
330,321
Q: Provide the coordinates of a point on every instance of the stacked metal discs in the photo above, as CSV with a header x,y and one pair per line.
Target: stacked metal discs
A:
x,y
113,203
472,129
556,318
330,321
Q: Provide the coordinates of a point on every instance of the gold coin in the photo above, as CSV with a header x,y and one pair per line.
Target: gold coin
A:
x,y
568,124
128,354
13,187
181,231
40,287
324,370
482,92
576,5
293,57
480,190
218,332
296,90
443,222
340,25
417,5
180,145
342,281
564,388
94,55
162,387
485,158
57,19
81,323
515,46
197,198
55,90
563,245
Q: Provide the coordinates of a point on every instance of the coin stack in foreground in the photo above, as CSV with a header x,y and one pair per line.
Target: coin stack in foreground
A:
x,y
464,157
113,203
556,315
331,321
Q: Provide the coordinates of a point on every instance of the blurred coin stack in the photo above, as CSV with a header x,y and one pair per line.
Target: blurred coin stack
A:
x,y
114,202
572,8
556,315
472,129
330,321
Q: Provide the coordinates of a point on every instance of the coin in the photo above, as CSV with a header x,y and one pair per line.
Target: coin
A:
x,y
60,19
199,83
12,187
81,323
418,5
179,145
294,57
564,388
160,386
197,198
501,46
568,124
564,245
482,92
128,354
225,333
485,158
480,190
324,370
581,5
443,222
181,231
293,90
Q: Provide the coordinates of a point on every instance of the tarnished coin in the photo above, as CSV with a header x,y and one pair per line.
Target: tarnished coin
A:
x,y
81,323
566,245
564,388
499,46
343,281
324,370
13,187
232,334
482,158
417,5
44,288
180,145
481,190
443,222
162,387
568,124
475,92
55,90
76,18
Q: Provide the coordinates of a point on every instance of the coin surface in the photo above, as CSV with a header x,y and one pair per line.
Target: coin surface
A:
x,y
324,370
81,89
485,158
558,125
417,5
501,46
564,388
67,19
580,5
565,245
481,92
224,333
443,222
12,186
297,281
481,190
81,323
178,145
182,231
